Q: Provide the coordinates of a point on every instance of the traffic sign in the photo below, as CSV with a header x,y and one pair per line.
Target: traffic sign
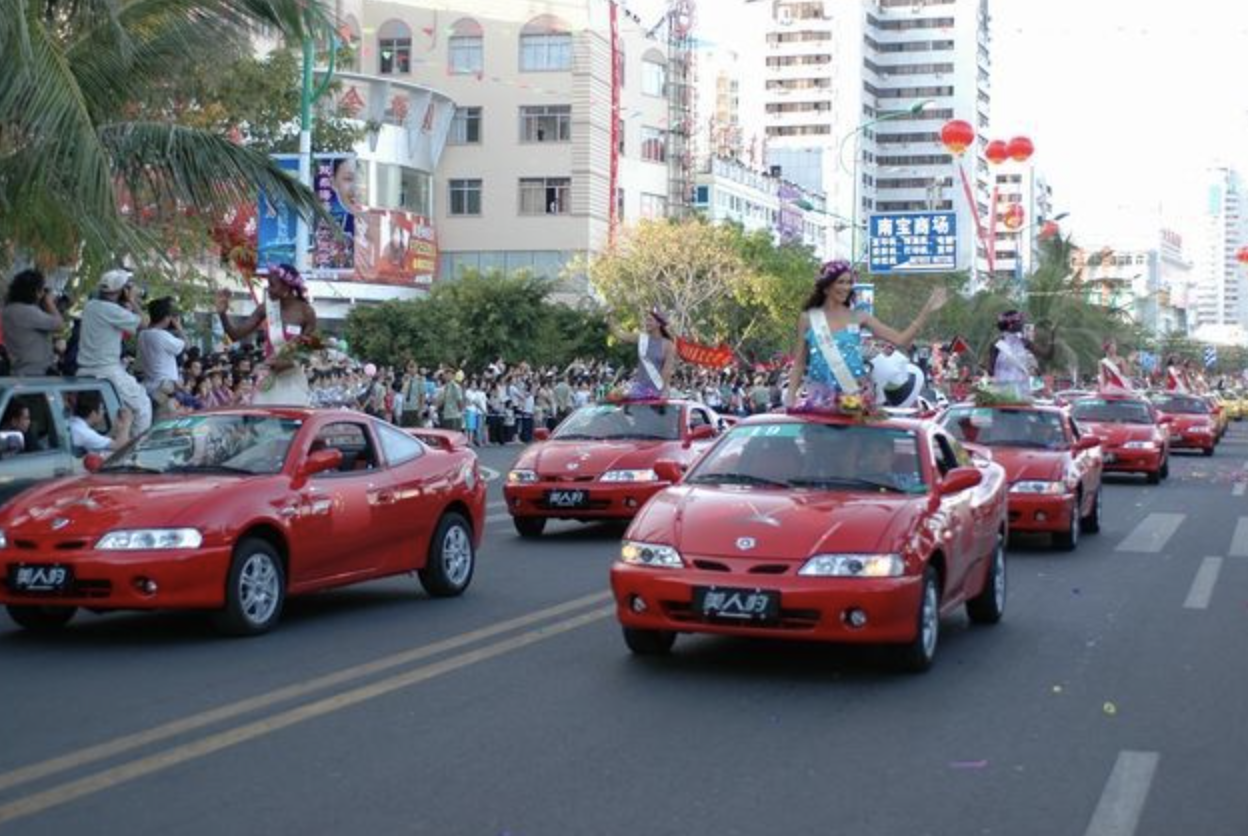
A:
x,y
912,242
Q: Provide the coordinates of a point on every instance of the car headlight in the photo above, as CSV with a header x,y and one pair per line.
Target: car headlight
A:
x,y
4,540
1036,486
854,566
630,476
650,554
520,477
1140,445
143,539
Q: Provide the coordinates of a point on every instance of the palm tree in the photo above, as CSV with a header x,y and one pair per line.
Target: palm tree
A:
x,y
75,135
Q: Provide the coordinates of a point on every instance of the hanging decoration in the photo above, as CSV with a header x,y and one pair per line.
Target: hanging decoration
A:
x,y
997,152
1013,217
957,135
1020,149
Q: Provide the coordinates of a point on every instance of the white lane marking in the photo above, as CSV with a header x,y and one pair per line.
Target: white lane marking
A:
x,y
1122,801
1238,488
496,518
1239,540
489,474
1202,585
1152,533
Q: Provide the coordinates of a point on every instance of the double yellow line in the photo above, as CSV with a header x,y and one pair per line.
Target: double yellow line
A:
x,y
121,773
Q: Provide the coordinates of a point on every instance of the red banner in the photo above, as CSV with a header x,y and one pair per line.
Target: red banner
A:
x,y
703,355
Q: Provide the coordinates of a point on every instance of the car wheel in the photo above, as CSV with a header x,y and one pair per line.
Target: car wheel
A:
x,y
1208,451
452,558
918,655
1068,540
255,590
40,619
1165,468
1091,524
529,527
989,605
649,642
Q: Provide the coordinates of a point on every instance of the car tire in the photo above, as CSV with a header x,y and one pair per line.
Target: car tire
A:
x,y
452,558
919,654
529,528
989,605
649,642
1208,451
1068,540
1091,524
39,618
255,590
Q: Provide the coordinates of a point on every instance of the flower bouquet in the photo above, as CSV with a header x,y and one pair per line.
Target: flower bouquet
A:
x,y
297,351
986,394
821,400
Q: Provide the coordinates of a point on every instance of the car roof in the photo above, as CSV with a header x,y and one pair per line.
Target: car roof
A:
x,y
896,423
1034,406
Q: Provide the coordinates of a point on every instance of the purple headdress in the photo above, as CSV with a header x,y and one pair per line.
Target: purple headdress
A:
x,y
833,270
290,277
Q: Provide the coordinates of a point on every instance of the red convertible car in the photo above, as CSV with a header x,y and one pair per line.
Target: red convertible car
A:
x,y
1193,425
1135,437
599,463
1054,472
821,528
231,511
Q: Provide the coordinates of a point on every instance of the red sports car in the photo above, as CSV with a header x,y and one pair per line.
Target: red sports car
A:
x,y
1193,425
1135,437
231,511
818,528
1054,472
599,463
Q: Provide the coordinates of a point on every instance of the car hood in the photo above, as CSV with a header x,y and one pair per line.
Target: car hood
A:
x,y
570,459
1116,435
99,503
1024,464
782,525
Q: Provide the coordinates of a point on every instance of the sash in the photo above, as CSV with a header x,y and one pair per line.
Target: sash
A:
x,y
643,356
1008,351
1112,378
831,354
273,324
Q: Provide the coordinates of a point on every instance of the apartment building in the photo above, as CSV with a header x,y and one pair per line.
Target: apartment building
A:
x,y
1017,251
728,190
1220,285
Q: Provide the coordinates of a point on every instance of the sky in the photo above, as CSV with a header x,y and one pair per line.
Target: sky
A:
x,y
1127,101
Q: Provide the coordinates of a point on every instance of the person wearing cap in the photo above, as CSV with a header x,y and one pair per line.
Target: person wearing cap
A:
x,y
286,315
106,320
656,356
160,344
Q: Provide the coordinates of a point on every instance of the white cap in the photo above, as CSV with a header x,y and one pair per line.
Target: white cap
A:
x,y
114,280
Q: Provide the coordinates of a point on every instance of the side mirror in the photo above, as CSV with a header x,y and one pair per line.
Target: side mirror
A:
x,y
702,432
321,461
11,442
960,479
668,471
93,462
541,434
1087,442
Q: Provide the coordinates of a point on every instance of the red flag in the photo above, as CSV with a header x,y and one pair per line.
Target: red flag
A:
x,y
959,346
701,355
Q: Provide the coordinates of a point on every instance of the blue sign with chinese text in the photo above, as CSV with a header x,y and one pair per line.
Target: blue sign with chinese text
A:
x,y
913,242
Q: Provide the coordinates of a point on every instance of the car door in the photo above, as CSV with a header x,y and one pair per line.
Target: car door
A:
x,y
698,417
1087,464
418,483
333,535
961,512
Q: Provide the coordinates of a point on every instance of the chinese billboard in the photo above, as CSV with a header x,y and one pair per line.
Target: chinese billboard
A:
x,y
277,225
913,242
395,247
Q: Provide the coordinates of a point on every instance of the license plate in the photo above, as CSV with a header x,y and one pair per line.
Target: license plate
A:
x,y
40,577
736,604
568,500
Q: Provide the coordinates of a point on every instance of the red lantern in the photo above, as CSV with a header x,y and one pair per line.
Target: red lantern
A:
x,y
1020,149
1241,255
997,152
1014,217
957,136
1049,230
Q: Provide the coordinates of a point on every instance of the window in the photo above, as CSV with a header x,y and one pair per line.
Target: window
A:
x,y
620,65
621,143
653,206
465,127
653,145
545,45
465,48
399,447
653,74
465,197
619,204
350,439
545,195
394,48
41,435
546,123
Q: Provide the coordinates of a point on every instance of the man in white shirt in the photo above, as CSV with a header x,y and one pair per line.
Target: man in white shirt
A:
x,y
105,321
160,344
88,415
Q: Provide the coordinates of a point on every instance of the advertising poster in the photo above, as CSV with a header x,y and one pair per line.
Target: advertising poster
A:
x,y
864,298
276,224
395,247
913,242
335,180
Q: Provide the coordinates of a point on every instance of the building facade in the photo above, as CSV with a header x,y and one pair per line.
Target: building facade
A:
x,y
1221,291
728,190
1151,285
1017,251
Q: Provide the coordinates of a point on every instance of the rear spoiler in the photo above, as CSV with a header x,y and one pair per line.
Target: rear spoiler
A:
x,y
446,440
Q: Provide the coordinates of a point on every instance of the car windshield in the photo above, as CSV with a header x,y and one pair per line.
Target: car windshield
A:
x,y
1182,405
814,456
1037,428
245,445
1112,412
622,421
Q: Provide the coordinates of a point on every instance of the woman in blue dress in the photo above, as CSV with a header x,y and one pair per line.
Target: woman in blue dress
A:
x,y
828,354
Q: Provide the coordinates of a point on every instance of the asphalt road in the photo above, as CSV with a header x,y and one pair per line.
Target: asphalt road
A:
x,y
1109,702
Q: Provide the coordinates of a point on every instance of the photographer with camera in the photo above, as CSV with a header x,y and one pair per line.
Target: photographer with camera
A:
x,y
160,344
106,320
31,320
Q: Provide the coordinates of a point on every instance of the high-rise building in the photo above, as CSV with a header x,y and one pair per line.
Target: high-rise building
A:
x,y
1017,250
856,92
1220,292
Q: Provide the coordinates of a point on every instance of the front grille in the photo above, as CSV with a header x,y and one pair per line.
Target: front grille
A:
x,y
769,569
562,477
710,566
70,545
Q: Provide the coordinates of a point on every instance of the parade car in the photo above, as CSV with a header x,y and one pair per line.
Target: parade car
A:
x,y
1135,437
232,511
599,462
818,527
1054,472
1193,426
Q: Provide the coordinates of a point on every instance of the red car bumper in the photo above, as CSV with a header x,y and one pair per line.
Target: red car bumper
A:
x,y
1122,460
811,609
190,579
1040,512
602,500
1194,441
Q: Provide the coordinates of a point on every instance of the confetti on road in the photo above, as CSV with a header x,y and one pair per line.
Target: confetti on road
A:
x,y
1057,689
1110,709
968,764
